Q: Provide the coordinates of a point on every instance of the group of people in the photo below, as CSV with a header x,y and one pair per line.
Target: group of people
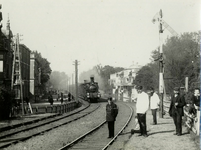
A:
x,y
144,102
61,98
176,110
151,100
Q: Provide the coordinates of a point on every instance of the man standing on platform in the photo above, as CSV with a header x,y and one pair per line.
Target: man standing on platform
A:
x,y
142,105
154,104
176,110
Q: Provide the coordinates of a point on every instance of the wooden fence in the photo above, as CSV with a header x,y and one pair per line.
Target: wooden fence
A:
x,y
191,121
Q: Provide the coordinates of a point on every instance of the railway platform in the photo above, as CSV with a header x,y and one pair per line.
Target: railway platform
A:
x,y
29,118
161,137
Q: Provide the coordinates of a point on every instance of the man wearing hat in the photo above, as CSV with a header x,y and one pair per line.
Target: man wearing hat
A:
x,y
176,110
111,114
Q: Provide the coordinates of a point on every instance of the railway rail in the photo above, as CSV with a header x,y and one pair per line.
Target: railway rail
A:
x,y
93,139
69,107
14,137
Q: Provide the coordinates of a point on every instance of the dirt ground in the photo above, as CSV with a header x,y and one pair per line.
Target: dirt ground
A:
x,y
161,137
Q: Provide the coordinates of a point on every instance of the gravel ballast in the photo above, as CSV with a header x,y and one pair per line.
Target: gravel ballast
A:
x,y
58,137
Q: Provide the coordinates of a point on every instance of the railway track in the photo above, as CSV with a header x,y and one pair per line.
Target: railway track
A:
x,y
97,137
24,133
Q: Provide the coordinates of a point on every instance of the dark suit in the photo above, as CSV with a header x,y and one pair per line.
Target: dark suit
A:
x,y
111,114
176,112
196,100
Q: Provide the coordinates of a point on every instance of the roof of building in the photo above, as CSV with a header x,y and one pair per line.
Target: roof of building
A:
x,y
7,33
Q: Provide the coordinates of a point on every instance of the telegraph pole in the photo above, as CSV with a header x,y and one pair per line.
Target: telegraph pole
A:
x,y
72,85
68,84
76,80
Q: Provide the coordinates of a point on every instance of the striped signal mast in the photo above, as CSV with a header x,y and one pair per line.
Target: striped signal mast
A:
x,y
162,26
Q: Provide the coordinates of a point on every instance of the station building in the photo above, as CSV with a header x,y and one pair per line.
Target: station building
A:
x,y
25,68
122,83
29,73
6,56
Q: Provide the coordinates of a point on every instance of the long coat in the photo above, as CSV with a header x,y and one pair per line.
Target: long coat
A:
x,y
111,112
179,108
196,100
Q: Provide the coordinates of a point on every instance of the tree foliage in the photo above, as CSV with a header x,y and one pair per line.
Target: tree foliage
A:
x,y
148,76
181,59
44,65
105,73
58,80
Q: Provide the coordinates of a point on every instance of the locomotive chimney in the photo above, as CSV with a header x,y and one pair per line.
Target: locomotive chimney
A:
x,y
92,78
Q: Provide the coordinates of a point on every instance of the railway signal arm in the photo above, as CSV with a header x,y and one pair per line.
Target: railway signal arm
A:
x,y
158,18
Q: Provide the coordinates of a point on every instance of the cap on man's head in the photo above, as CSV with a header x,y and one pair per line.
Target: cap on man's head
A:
x,y
139,87
176,89
110,99
151,89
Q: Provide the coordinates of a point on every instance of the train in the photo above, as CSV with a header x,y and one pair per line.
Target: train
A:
x,y
90,90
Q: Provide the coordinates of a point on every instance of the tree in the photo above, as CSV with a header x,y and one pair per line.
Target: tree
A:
x,y
105,73
58,80
148,76
44,65
181,59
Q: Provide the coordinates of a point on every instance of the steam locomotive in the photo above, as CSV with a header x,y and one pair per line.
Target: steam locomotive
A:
x,y
91,90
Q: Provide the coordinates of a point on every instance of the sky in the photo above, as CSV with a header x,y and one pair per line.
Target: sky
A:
x,y
107,32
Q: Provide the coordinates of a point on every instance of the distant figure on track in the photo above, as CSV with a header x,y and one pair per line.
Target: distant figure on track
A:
x,y
176,110
154,103
142,106
111,114
69,97
62,98
50,99
27,100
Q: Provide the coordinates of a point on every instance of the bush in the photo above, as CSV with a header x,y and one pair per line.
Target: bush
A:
x,y
6,101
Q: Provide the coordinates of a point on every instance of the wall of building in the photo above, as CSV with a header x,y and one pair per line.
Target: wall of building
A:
x,y
25,68
34,75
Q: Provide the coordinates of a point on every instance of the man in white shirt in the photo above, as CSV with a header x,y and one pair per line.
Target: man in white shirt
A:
x,y
154,103
142,105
